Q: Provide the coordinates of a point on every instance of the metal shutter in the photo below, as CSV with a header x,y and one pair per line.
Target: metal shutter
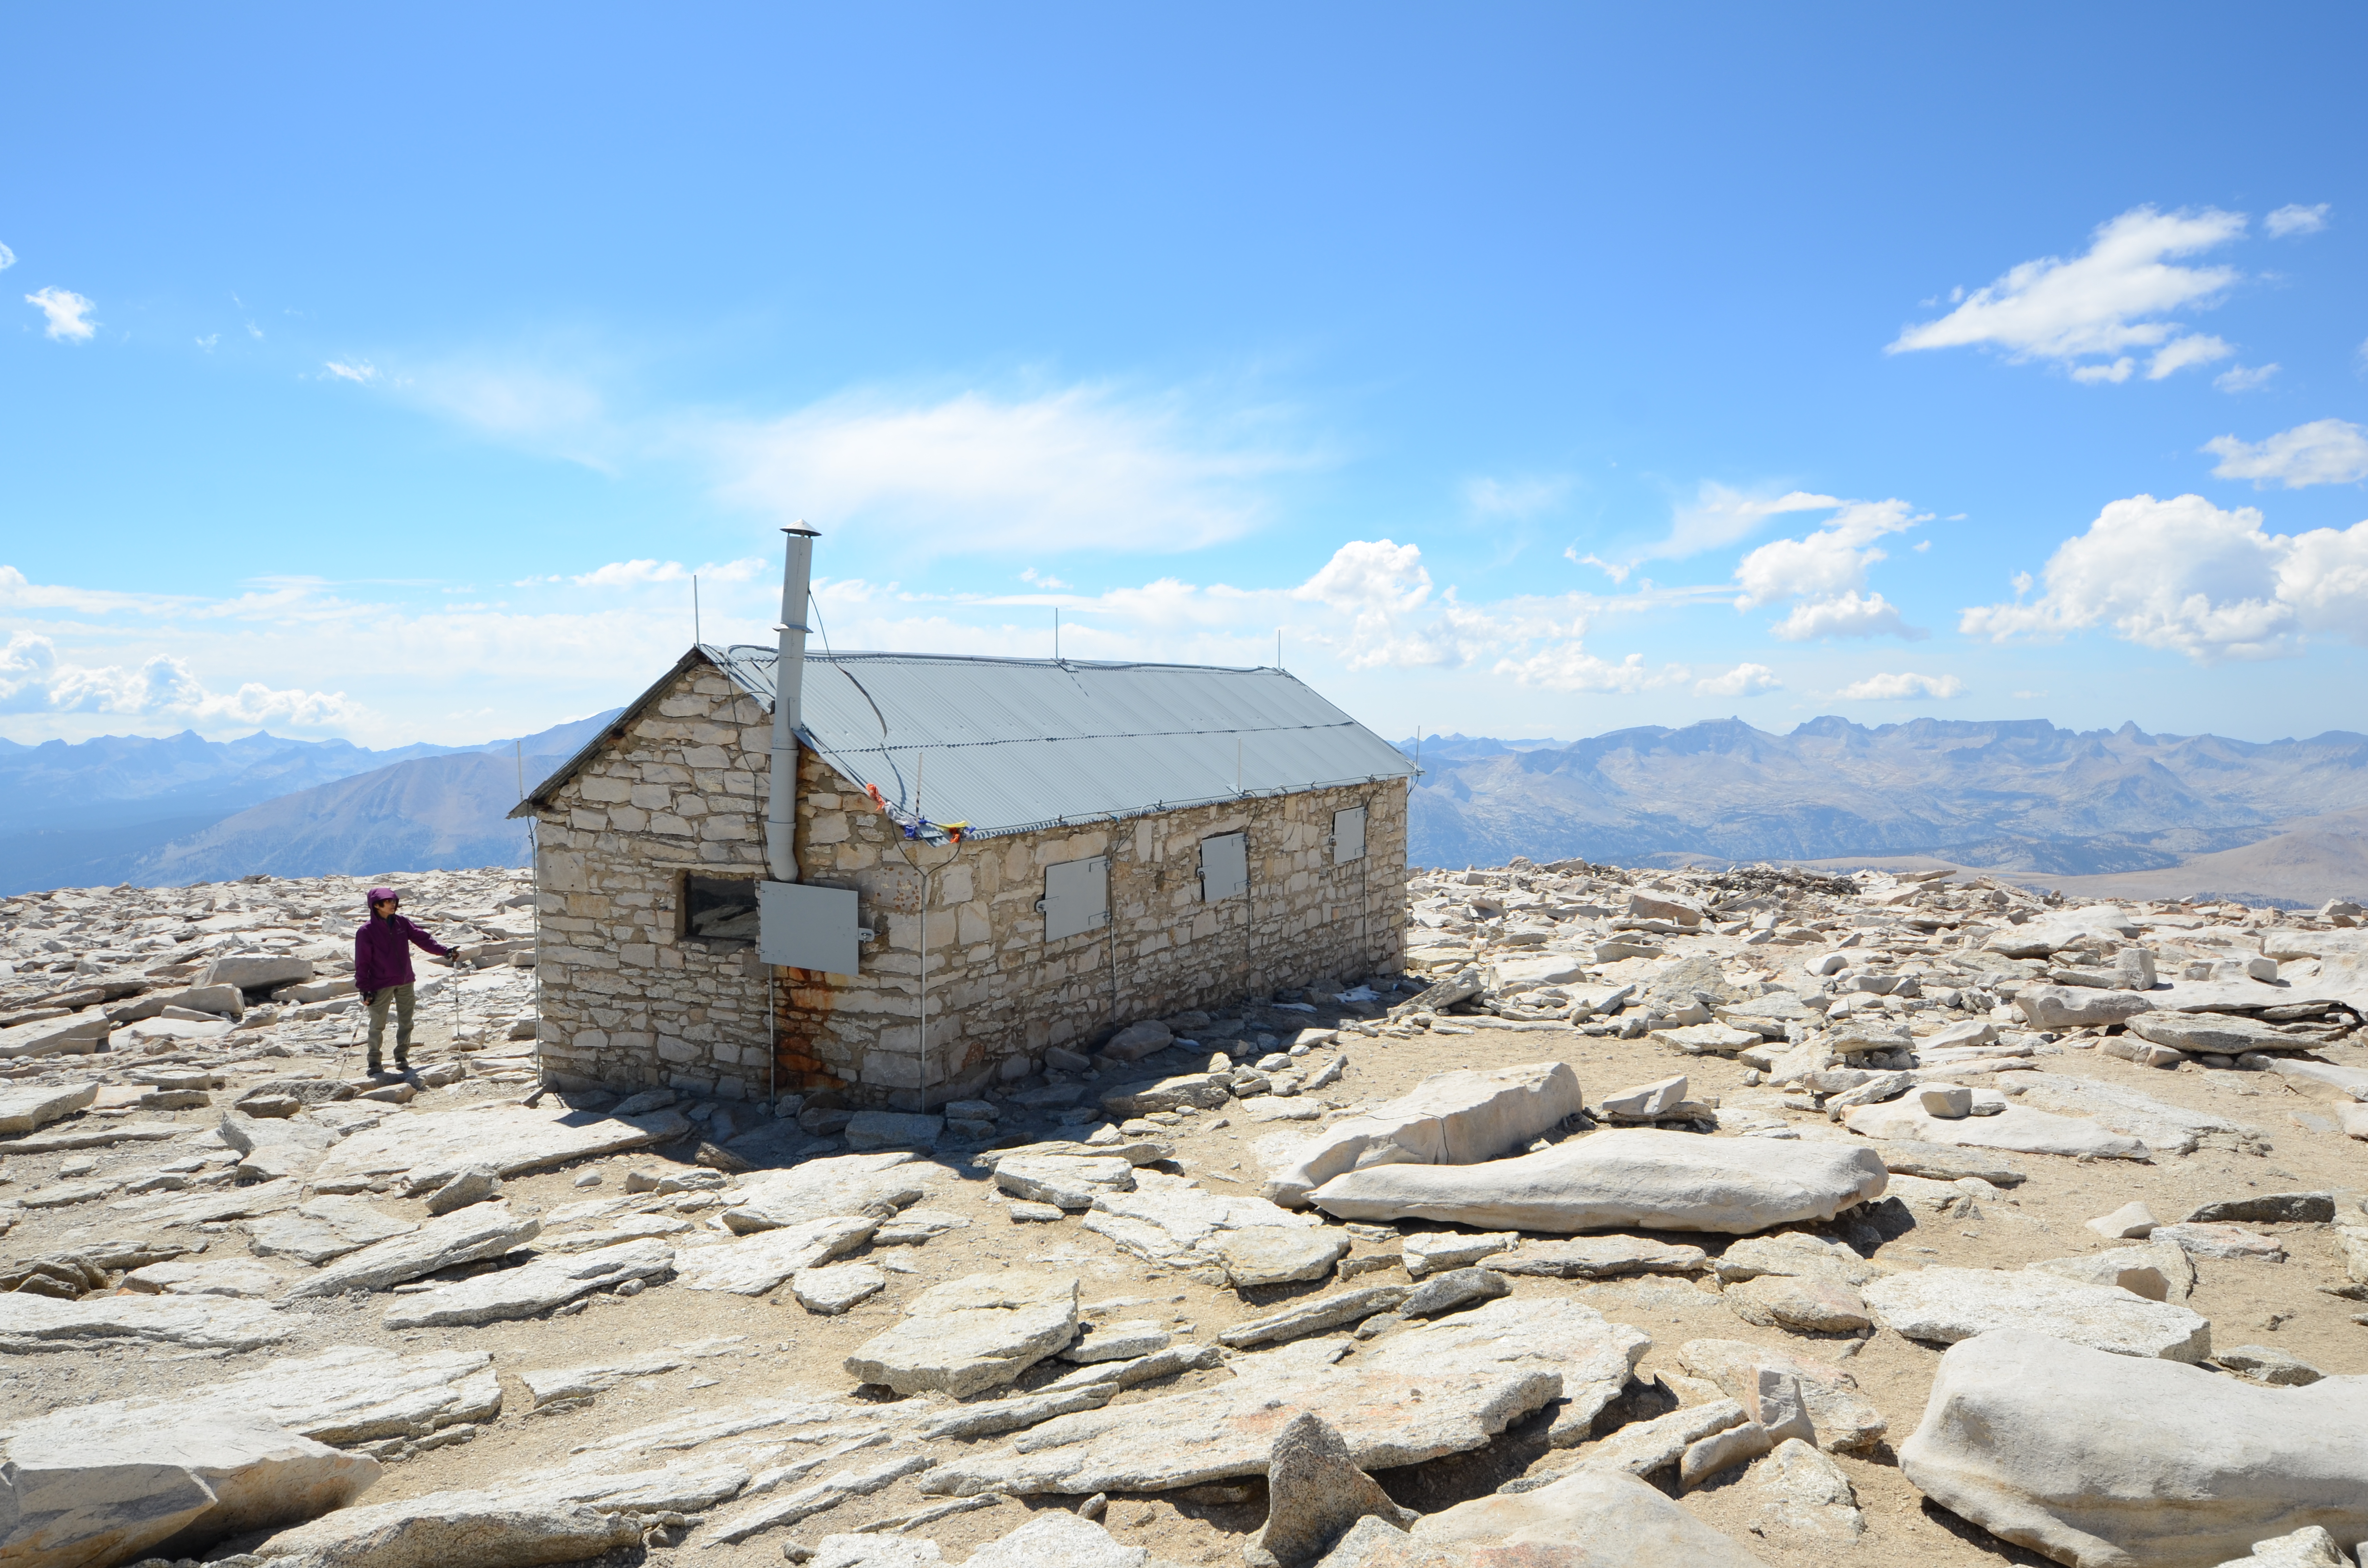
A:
x,y
1348,834
1224,867
1077,897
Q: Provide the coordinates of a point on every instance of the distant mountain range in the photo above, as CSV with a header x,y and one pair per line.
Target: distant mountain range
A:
x,y
2019,796
183,808
2115,812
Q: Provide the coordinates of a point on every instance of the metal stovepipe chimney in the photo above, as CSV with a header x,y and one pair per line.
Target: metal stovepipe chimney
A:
x,y
789,682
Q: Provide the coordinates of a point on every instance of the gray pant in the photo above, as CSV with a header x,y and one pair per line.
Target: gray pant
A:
x,y
406,1001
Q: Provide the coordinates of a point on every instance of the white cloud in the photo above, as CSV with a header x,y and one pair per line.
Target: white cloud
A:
x,y
2245,377
1718,516
1365,575
1515,497
1086,468
2325,451
8,258
69,313
1901,686
34,680
2294,219
208,342
1743,680
1846,615
638,574
2184,575
361,372
2197,348
1829,562
1568,666
2109,299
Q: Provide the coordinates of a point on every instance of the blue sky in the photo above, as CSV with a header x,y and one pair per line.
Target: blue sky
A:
x,y
1538,370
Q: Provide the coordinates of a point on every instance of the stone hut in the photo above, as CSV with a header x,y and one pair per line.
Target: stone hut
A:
x,y
1040,851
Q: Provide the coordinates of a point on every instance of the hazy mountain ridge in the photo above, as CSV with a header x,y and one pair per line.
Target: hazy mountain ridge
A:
x,y
2022,795
129,808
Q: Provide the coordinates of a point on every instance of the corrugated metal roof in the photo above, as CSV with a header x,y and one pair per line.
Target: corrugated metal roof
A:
x,y
1011,745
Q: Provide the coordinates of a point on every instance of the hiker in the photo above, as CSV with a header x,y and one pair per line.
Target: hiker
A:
x,y
382,972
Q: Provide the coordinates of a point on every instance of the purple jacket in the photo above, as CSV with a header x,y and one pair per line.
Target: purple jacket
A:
x,y
380,956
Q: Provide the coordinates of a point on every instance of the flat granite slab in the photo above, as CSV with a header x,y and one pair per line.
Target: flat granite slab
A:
x,y
432,1149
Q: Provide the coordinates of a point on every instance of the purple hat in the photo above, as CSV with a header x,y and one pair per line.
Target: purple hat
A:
x,y
384,895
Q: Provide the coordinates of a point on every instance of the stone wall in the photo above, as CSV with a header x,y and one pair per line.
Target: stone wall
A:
x,y
628,1001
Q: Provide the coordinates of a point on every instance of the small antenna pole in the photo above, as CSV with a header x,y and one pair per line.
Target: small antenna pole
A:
x,y
695,636
1057,634
519,747
1278,647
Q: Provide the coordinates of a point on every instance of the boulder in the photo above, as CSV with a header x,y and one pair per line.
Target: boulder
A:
x,y
2158,1272
834,1287
1276,1255
1049,1540
22,1111
430,1150
1137,1042
973,1334
1805,1496
80,1487
2165,1128
1945,1305
2100,1461
1314,1493
1651,1180
30,1323
2266,1209
1842,1419
214,1277
757,1263
473,1183
1599,1257
75,1034
1126,1340
816,1190
323,1227
2132,1222
1587,1517
348,1394
2221,1034
1425,1391
1805,1303
872,1129
2078,1006
467,1235
1201,1090
1314,1315
533,1290
1648,1101
1456,1288
2230,1242
1174,1220
2018,1129
440,1529
1427,1252
257,971
1069,1184
1450,1119
548,1386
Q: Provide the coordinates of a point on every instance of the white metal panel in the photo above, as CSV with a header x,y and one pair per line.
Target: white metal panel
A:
x,y
805,926
1348,834
1077,897
1224,867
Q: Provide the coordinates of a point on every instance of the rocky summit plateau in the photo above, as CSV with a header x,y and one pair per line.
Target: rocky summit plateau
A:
x,y
1648,1217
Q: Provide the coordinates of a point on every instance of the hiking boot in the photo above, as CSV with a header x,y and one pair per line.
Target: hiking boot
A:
x,y
403,1066
375,1069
